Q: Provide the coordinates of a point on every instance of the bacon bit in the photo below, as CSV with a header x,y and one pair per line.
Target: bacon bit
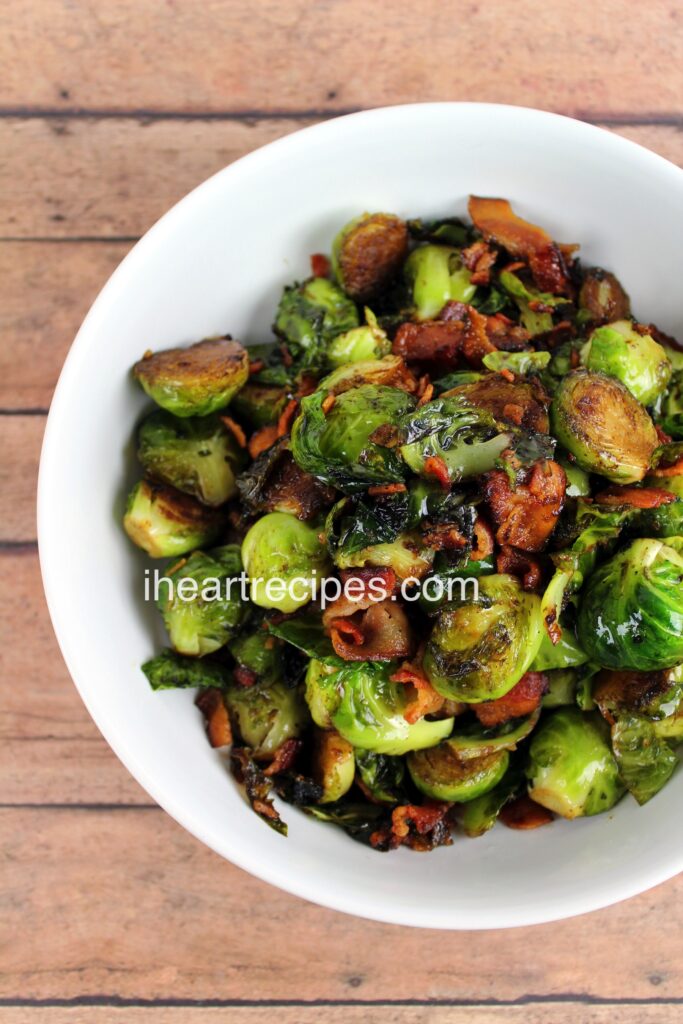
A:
x,y
378,490
636,497
424,699
512,267
262,440
211,704
286,356
513,413
284,757
483,540
528,514
427,395
564,331
507,375
436,467
380,633
236,431
553,628
574,358
349,630
306,386
476,344
673,469
524,813
386,436
479,258
521,700
519,563
663,437
444,537
538,306
245,676
256,366
327,403
420,828
664,339
320,265
285,421
432,343
364,575
506,335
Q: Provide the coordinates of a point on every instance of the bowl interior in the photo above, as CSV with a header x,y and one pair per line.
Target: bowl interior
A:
x,y
217,263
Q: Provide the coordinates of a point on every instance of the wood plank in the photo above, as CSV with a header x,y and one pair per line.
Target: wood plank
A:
x,y
115,177
619,56
538,1013
128,905
20,441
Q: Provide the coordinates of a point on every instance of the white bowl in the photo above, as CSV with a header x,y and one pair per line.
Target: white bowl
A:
x,y
217,262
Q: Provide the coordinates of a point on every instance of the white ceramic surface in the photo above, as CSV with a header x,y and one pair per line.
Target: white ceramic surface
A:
x,y
217,262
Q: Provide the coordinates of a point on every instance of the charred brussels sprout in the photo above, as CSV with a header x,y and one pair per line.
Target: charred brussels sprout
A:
x,y
535,307
171,671
200,608
572,770
604,427
602,298
194,381
646,762
165,522
437,275
334,765
566,653
282,558
440,774
368,252
381,776
310,315
360,344
479,651
198,455
631,613
337,446
632,356
265,717
259,404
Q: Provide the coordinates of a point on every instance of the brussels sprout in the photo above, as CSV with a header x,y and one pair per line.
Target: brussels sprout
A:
x,y
194,381
390,372
561,690
646,762
521,363
337,448
604,427
602,298
634,358
171,671
479,651
440,774
566,653
578,481
259,404
310,315
437,275
197,455
382,776
631,613
535,307
197,603
652,695
572,770
367,708
464,439
368,252
360,344
282,558
408,556
473,741
665,521
445,230
274,483
333,766
260,653
496,395
266,716
165,522
670,416
479,815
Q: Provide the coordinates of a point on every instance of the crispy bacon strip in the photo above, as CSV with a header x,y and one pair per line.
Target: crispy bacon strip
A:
x,y
256,366
636,497
380,633
424,699
505,334
673,469
365,574
521,700
527,515
479,258
524,813
483,541
244,676
262,440
436,467
444,537
211,704
432,343
522,564
286,417
378,490
236,430
284,757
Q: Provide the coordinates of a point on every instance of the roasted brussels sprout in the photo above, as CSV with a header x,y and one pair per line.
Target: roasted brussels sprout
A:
x,y
631,612
265,716
652,695
171,671
390,372
572,770
646,762
473,741
259,404
535,307
322,692
333,766
632,356
310,315
360,344
561,688
521,363
440,774
197,455
479,815
670,416
336,445
368,252
578,481
194,381
526,400
604,427
381,776
437,275
165,522
602,298
260,654
479,651
201,611
282,558
408,556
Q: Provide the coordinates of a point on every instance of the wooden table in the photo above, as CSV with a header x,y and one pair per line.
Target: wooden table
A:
x,y
109,112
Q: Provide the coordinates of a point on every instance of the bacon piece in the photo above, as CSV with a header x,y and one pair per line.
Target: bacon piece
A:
x,y
505,335
432,343
524,813
284,757
262,440
236,431
479,258
527,515
424,700
379,490
421,828
365,574
523,240
673,469
328,403
380,633
496,393
320,265
436,467
483,541
387,435
636,497
286,417
211,704
244,676
444,537
520,701
522,564
256,366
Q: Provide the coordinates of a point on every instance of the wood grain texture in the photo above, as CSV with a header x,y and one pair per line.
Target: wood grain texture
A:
x,y
20,441
606,58
125,902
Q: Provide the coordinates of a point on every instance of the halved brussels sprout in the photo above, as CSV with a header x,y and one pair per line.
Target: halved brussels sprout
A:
x,y
310,315
407,556
381,775
605,428
521,363
322,691
572,770
631,612
602,298
646,762
670,416
282,557
266,716
360,344
194,381
479,815
260,653
473,740
201,611
165,522
333,766
368,252
651,695
632,356
259,404
494,394
336,446
440,774
390,372
479,651
535,307
198,455
437,275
